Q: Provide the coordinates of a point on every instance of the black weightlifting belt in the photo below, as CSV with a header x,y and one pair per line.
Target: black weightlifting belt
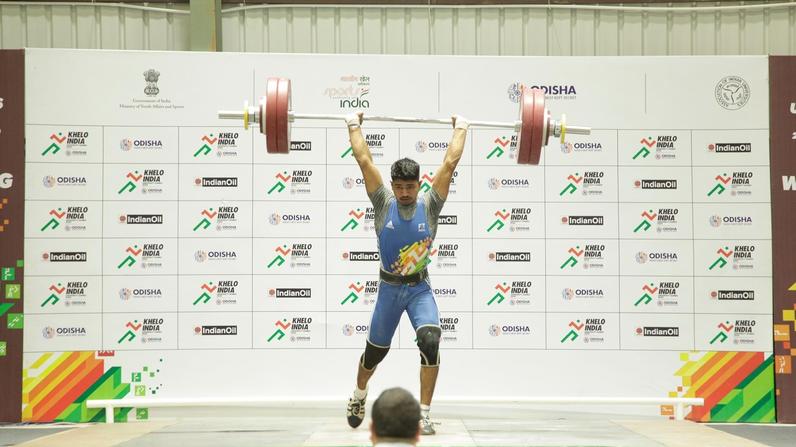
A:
x,y
394,279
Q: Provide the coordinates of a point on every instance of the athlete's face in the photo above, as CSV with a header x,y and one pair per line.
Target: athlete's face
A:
x,y
405,191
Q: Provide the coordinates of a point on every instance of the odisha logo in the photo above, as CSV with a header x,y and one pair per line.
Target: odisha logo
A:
x,y
421,146
348,329
494,183
566,148
715,220
568,294
494,330
514,91
126,144
348,182
48,181
200,256
124,294
275,219
642,257
151,77
48,332
732,92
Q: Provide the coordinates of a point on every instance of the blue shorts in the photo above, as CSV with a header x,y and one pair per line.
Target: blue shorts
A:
x,y
417,301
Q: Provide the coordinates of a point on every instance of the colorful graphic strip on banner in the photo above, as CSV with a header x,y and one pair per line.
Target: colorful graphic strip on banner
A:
x,y
56,387
736,386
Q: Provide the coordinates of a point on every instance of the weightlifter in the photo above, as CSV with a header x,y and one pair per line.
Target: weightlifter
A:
x,y
405,229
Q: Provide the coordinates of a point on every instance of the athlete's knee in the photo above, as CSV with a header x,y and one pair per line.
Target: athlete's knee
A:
x,y
428,341
373,355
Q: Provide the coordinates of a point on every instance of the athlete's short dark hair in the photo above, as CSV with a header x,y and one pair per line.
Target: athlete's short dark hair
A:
x,y
405,169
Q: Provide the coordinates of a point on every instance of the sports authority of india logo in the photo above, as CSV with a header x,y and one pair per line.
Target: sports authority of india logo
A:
x,y
282,180
207,145
573,181
644,150
721,185
721,336
151,77
500,295
131,334
131,258
55,220
500,221
575,330
281,328
205,222
281,253
732,92
55,296
649,291
648,219
132,182
55,146
353,222
352,95
574,257
721,261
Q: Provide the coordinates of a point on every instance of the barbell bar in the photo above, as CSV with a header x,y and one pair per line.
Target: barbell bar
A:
x,y
274,117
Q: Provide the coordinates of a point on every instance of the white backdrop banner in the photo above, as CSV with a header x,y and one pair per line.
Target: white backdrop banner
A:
x,y
195,264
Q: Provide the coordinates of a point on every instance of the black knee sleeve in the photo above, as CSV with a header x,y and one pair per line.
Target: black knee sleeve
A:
x,y
428,341
373,355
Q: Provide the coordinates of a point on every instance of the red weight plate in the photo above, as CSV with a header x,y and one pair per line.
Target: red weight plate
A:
x,y
270,123
524,140
282,122
289,108
539,123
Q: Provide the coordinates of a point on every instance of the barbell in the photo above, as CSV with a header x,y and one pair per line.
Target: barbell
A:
x,y
274,117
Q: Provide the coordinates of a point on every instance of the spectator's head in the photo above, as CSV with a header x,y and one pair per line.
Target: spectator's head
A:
x,y
396,417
